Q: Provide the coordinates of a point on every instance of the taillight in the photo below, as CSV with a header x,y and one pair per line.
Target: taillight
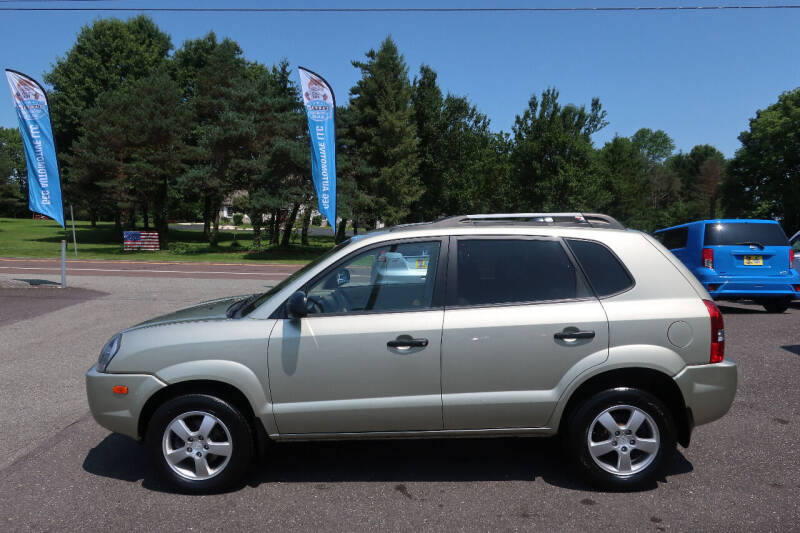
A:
x,y
791,258
708,258
717,333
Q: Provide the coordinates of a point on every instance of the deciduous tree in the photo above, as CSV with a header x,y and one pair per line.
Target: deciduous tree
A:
x,y
765,172
107,53
13,174
553,160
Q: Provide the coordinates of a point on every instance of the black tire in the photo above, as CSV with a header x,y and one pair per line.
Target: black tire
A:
x,y
776,305
229,424
646,467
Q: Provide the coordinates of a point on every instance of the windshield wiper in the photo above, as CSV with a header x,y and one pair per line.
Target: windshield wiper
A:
x,y
752,243
235,307
232,308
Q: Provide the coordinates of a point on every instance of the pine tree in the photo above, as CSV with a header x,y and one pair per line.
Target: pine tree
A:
x,y
133,149
214,79
278,172
385,137
426,99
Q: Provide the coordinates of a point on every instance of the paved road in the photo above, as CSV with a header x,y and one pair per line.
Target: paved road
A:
x,y
161,269
61,471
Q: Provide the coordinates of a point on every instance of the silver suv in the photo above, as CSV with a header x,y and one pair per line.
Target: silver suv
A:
x,y
483,325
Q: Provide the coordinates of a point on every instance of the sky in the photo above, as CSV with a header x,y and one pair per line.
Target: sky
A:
x,y
698,75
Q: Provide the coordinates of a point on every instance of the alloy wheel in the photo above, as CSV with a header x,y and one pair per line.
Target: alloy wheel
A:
x,y
197,445
623,440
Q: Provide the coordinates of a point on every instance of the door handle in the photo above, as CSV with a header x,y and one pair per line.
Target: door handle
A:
x,y
405,341
573,333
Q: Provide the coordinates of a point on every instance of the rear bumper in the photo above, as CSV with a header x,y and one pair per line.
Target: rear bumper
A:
x,y
708,390
722,287
119,412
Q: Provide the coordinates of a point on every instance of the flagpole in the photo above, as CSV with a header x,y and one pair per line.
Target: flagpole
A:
x,y
74,240
63,264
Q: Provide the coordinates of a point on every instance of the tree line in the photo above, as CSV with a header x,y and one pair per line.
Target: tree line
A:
x,y
148,133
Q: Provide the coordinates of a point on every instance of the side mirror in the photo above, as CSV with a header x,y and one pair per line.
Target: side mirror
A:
x,y
297,304
342,277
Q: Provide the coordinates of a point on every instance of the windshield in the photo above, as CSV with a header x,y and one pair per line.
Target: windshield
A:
x,y
729,233
277,288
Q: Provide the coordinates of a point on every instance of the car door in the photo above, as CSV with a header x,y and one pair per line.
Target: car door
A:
x,y
519,318
367,356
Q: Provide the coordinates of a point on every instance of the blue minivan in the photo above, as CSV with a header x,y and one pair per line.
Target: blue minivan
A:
x,y
738,259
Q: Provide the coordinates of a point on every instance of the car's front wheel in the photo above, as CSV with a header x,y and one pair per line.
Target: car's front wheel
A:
x,y
622,438
200,443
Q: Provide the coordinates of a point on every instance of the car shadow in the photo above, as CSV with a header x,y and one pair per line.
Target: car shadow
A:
x,y
29,302
39,282
395,461
122,458
732,310
792,348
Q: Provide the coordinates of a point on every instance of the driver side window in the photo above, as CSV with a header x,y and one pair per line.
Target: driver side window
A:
x,y
393,277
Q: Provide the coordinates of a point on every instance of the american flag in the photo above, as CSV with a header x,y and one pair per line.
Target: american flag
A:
x,y
140,240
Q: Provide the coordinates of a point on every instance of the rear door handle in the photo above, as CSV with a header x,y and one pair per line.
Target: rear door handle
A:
x,y
405,341
573,333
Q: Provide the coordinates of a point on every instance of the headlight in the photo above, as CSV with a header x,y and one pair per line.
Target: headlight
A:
x,y
108,352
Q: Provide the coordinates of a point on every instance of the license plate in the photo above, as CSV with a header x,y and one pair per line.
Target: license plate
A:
x,y
754,260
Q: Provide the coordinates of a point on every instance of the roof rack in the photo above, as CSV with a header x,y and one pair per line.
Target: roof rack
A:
x,y
592,220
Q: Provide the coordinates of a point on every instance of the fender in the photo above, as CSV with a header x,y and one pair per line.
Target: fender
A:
x,y
229,372
631,356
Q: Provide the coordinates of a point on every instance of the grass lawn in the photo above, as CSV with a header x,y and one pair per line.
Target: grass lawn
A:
x,y
24,237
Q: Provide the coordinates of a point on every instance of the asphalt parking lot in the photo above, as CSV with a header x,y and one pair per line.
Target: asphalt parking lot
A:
x,y
60,471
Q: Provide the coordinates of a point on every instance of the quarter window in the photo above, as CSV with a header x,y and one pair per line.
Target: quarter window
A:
x,y
674,238
508,271
605,272
394,277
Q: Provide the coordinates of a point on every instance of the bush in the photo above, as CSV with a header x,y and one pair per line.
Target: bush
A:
x,y
236,244
238,218
316,221
224,221
180,248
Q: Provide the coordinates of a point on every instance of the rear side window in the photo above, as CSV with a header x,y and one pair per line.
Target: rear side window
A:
x,y
505,271
605,272
673,238
729,233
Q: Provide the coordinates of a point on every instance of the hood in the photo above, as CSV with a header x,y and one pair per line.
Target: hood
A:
x,y
211,310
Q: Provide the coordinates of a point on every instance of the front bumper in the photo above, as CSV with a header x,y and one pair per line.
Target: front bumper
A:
x,y
119,412
708,390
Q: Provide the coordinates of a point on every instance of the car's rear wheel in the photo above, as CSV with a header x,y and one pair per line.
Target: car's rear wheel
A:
x,y
622,438
776,305
200,443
